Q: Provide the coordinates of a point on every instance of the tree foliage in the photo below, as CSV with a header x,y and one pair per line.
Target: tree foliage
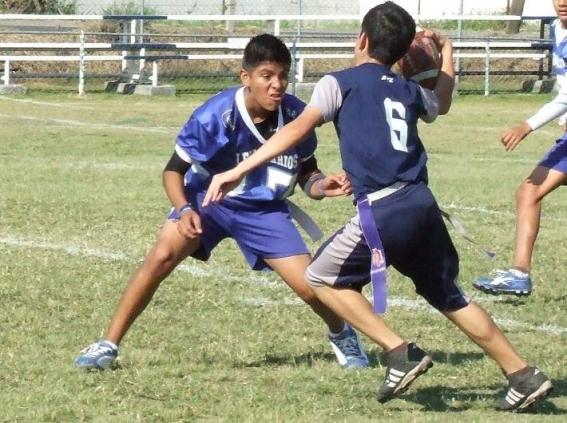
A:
x,y
39,6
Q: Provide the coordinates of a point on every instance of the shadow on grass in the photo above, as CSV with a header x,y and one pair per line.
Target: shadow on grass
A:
x,y
442,399
307,359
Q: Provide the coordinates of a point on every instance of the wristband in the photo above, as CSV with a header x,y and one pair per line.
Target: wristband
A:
x,y
314,179
184,209
320,189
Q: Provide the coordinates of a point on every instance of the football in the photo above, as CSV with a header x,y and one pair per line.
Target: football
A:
x,y
422,61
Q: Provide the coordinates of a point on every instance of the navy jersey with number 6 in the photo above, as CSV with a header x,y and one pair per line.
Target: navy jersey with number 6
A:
x,y
375,113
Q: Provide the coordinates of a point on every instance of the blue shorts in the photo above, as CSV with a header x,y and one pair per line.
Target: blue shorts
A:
x,y
556,157
416,243
262,229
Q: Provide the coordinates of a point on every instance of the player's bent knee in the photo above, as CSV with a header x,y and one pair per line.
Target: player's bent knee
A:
x,y
312,279
526,193
308,297
164,258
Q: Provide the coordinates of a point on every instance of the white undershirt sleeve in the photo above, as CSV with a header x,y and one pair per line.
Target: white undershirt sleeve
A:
x,y
549,111
431,104
327,97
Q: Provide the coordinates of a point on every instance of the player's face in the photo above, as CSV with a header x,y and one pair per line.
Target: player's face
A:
x,y
266,85
561,10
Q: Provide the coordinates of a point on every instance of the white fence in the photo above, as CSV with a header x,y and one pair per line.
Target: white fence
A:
x,y
133,51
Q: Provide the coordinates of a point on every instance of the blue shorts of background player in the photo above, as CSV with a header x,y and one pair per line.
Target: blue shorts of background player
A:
x,y
261,227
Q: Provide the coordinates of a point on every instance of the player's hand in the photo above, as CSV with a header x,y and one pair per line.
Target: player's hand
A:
x,y
513,136
335,185
443,42
189,224
222,184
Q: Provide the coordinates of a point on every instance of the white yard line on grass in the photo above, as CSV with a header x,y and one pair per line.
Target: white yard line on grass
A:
x,y
78,123
202,270
485,210
196,268
71,106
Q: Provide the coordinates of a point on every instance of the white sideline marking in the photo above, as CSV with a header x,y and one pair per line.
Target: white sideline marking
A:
x,y
77,123
45,103
484,210
422,306
471,158
196,268
203,270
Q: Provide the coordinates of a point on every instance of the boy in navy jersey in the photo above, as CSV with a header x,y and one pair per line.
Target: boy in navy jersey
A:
x,y
227,128
398,223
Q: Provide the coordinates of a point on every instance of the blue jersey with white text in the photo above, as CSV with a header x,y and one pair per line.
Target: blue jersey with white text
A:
x,y
220,134
377,128
559,43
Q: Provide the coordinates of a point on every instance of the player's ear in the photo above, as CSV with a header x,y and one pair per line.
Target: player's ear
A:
x,y
361,42
245,77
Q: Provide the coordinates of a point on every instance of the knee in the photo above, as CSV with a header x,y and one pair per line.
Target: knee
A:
x,y
526,193
161,258
307,295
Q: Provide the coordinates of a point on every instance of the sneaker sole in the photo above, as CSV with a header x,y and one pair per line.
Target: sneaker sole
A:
x,y
543,391
492,291
424,365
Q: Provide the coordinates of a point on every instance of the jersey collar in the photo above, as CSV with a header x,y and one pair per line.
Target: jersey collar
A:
x,y
248,120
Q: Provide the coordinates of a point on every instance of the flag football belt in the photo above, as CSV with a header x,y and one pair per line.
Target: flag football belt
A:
x,y
305,221
372,237
378,257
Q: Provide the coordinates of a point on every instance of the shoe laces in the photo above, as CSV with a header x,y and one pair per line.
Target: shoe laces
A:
x,y
505,277
349,345
96,349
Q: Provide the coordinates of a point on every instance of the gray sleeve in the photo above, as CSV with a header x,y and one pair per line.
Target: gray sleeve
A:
x,y
431,104
327,97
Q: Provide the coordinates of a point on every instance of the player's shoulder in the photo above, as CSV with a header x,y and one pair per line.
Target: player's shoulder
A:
x,y
291,106
216,105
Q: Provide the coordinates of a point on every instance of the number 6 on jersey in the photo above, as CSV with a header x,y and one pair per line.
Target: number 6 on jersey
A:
x,y
398,125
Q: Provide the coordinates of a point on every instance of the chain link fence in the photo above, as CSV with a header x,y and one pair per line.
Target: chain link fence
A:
x,y
204,55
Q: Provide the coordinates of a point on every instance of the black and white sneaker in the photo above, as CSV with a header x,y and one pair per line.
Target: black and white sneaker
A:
x,y
404,365
526,387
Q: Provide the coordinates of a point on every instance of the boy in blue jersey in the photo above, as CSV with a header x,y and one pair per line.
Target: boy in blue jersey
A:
x,y
224,130
550,173
398,223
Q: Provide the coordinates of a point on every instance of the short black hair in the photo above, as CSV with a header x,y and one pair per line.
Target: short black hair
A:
x,y
265,48
390,30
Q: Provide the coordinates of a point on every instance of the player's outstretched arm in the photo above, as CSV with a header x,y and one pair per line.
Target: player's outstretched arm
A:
x,y
513,136
446,81
290,135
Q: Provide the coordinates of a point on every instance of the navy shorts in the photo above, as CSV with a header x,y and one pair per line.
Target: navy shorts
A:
x,y
556,157
416,243
262,229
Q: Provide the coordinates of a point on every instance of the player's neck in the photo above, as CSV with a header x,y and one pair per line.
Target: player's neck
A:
x,y
361,57
367,59
257,113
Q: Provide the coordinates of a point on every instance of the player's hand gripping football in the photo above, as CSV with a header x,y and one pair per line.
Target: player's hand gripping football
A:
x,y
189,224
335,185
222,184
513,136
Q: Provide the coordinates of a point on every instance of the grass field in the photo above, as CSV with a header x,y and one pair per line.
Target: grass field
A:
x,y
81,202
